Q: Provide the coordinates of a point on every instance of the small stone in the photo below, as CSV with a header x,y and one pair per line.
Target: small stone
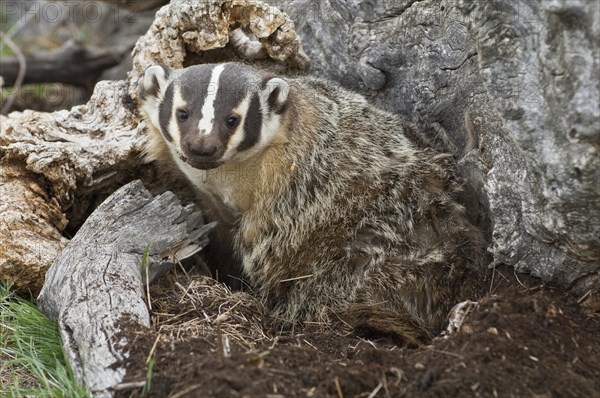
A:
x,y
492,330
466,329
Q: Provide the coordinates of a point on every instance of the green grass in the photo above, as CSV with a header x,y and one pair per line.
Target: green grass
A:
x,y
32,362
149,373
5,51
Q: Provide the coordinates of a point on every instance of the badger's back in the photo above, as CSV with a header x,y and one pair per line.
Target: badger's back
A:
x,y
363,215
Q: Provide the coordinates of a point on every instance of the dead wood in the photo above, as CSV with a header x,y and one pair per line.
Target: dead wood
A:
x,y
189,30
96,282
54,168
71,63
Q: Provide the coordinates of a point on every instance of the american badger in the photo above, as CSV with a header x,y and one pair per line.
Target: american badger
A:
x,y
332,207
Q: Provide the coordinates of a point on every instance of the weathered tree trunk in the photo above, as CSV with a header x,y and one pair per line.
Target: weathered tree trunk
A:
x,y
185,31
527,73
94,289
54,169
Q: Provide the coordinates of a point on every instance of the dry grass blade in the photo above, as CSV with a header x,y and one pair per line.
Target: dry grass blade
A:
x,y
204,305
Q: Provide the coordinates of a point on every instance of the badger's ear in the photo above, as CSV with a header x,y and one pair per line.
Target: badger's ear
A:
x,y
155,80
275,93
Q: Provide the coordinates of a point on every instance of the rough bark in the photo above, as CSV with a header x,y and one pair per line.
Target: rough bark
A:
x,y
55,167
526,74
189,30
96,283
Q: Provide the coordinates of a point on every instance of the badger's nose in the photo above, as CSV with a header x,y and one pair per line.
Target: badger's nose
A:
x,y
203,150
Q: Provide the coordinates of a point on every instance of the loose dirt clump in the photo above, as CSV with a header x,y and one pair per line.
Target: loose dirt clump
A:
x,y
522,339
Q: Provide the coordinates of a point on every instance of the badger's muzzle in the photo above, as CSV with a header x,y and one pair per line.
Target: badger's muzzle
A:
x,y
203,151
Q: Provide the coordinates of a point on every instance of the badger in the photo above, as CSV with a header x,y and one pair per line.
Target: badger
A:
x,y
331,208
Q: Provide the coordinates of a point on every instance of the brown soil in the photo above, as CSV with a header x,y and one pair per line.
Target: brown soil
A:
x,y
523,339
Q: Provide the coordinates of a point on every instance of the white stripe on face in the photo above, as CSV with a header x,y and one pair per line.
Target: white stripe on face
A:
x,y
178,103
208,109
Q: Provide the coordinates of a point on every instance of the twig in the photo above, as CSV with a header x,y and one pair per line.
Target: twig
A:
x,y
518,280
315,348
588,293
185,293
502,275
281,372
446,352
148,284
376,390
174,257
187,390
338,388
153,348
6,38
129,386
385,386
398,373
296,278
20,24
223,315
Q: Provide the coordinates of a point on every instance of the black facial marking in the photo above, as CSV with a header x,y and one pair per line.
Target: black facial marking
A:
x,y
252,124
151,91
154,89
164,115
233,86
281,108
272,102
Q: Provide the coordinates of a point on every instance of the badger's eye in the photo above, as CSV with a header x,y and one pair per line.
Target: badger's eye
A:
x,y
182,115
232,121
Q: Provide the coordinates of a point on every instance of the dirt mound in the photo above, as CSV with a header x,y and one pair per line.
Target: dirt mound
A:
x,y
522,339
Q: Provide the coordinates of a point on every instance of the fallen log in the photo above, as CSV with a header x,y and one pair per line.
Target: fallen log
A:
x,y
138,5
96,285
72,63
54,169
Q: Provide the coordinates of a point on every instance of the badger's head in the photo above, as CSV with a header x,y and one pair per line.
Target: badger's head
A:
x,y
214,113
